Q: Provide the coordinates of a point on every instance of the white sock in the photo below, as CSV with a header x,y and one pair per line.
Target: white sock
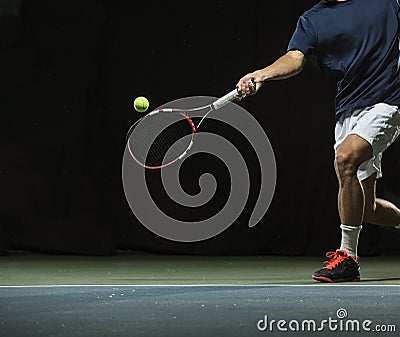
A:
x,y
350,236
398,227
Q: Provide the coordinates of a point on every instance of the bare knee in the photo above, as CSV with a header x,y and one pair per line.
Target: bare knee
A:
x,y
353,151
346,164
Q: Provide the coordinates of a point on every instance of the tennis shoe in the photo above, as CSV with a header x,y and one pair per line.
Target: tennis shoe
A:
x,y
339,268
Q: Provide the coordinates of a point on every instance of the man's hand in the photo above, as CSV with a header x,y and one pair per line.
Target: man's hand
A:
x,y
249,85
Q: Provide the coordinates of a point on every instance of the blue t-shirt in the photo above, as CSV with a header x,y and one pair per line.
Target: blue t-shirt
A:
x,y
356,40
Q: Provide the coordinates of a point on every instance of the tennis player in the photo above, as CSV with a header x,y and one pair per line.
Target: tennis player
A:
x,y
358,42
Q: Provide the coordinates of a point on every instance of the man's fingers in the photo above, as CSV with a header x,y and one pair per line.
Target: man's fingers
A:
x,y
245,87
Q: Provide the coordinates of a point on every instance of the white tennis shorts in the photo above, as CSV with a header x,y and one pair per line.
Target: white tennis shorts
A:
x,y
379,125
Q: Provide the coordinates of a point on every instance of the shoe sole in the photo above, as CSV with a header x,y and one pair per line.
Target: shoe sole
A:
x,y
328,280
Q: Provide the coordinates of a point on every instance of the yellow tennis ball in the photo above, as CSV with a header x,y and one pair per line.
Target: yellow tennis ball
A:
x,y
141,104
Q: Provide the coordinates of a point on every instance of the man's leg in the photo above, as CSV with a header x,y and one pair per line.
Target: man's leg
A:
x,y
343,264
353,151
379,124
378,211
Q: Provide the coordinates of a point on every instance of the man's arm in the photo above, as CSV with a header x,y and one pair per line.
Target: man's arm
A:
x,y
286,66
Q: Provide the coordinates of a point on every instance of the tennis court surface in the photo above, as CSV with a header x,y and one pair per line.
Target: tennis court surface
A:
x,y
153,295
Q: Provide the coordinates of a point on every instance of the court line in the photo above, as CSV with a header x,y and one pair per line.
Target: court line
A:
x,y
200,285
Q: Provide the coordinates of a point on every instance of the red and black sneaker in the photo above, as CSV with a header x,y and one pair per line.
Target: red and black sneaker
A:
x,y
340,268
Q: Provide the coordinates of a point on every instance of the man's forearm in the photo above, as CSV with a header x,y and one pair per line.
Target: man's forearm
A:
x,y
286,66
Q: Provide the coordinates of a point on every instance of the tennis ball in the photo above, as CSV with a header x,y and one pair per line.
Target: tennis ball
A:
x,y
141,104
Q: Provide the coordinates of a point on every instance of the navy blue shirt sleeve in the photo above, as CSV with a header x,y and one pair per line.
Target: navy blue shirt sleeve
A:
x,y
304,37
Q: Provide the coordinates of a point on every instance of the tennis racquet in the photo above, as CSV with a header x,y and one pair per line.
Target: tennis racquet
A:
x,y
165,136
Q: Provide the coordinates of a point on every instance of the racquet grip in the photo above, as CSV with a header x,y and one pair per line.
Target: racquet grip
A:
x,y
229,97
224,100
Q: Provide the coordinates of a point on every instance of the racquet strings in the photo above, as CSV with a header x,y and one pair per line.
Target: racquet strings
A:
x,y
160,139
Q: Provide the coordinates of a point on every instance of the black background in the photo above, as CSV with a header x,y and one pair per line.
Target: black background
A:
x,y
69,71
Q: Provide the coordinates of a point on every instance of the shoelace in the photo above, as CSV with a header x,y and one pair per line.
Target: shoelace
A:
x,y
335,259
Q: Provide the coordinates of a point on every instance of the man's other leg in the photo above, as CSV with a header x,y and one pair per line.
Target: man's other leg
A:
x,y
378,211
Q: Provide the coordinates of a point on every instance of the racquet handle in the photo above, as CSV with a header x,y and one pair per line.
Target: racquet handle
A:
x,y
229,97
224,100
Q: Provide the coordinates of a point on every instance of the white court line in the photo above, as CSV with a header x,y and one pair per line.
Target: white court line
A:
x,y
200,285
